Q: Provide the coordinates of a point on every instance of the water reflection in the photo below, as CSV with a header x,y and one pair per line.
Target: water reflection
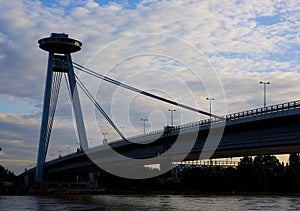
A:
x,y
139,202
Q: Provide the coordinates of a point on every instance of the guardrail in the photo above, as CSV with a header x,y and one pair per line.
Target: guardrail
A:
x,y
239,115
211,162
264,110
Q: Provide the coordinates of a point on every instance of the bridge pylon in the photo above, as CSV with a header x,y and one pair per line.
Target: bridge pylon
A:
x,y
60,47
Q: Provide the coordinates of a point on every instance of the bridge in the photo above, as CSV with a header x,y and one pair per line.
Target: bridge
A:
x,y
261,131
267,130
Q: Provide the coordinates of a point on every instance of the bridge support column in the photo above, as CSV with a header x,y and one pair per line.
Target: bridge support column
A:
x,y
42,151
60,48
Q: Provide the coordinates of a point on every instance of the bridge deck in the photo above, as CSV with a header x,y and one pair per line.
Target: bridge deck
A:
x,y
271,130
288,106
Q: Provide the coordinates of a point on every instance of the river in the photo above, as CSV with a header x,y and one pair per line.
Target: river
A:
x,y
159,202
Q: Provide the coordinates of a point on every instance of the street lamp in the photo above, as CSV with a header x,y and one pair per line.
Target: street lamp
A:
x,y
145,120
210,99
265,91
68,148
122,127
104,135
172,110
104,139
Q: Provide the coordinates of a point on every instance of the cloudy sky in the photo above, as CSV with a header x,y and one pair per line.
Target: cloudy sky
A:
x,y
182,50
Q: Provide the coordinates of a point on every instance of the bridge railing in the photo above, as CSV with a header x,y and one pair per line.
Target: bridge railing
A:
x,y
264,110
211,162
233,116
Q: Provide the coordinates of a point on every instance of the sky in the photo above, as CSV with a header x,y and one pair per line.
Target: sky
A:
x,y
183,50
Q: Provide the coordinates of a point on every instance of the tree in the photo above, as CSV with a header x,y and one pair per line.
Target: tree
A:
x,y
267,173
293,173
6,174
244,174
8,181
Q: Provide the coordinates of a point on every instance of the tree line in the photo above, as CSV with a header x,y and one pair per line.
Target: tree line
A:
x,y
263,173
9,182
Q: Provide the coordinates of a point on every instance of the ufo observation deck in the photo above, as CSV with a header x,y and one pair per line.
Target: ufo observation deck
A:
x,y
59,43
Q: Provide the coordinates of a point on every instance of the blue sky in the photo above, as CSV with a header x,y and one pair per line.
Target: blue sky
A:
x,y
241,42
69,5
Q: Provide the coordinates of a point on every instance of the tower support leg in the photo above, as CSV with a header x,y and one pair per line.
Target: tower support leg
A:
x,y
77,111
76,105
45,118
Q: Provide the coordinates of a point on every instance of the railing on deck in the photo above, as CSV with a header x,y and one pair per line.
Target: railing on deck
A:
x,y
264,110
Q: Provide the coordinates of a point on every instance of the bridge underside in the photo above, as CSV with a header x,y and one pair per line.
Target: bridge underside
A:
x,y
277,135
256,151
267,134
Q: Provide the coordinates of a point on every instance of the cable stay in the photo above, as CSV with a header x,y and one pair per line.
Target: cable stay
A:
x,y
126,86
52,106
94,101
69,89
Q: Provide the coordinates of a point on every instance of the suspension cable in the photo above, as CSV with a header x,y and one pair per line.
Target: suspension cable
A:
x,y
126,86
52,105
69,89
94,101
49,123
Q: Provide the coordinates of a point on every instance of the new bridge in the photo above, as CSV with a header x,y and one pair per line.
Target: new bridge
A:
x,y
268,130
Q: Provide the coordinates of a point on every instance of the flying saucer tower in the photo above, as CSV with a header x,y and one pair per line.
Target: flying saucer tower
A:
x,y
60,47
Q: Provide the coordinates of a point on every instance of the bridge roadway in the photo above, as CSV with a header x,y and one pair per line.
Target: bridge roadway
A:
x,y
270,130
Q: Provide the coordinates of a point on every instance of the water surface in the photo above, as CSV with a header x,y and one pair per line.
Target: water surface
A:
x,y
159,202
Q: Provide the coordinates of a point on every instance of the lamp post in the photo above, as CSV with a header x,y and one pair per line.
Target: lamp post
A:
x,y
144,120
172,110
78,146
265,91
210,99
104,139
68,148
104,135
122,127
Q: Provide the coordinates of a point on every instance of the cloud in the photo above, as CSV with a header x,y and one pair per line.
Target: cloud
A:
x,y
245,42
19,137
